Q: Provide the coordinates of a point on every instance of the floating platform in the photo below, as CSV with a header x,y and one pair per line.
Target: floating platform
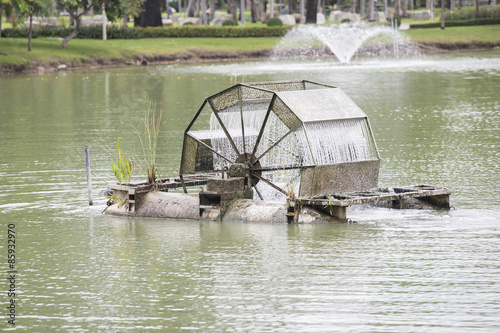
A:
x,y
150,200
404,197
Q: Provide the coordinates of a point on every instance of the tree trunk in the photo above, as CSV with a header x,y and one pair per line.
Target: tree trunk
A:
x,y
204,12
371,7
257,9
196,9
397,8
231,9
74,33
362,9
477,7
292,6
302,11
405,8
385,8
189,9
212,9
30,32
253,10
1,17
271,9
151,14
311,11
442,14
242,12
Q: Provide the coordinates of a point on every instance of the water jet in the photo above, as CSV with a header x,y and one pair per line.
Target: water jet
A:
x,y
344,41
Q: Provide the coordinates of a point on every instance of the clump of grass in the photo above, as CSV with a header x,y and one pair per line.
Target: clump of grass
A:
x,y
291,179
149,140
124,168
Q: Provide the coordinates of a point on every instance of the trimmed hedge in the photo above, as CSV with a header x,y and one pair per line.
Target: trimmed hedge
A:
x,y
154,32
469,13
467,23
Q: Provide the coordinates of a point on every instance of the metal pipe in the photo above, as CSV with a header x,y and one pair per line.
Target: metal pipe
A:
x,y
89,181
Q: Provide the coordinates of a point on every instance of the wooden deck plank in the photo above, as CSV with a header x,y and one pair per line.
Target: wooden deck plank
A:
x,y
357,198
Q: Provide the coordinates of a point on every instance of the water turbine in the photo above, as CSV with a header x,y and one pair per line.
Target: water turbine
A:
x,y
343,41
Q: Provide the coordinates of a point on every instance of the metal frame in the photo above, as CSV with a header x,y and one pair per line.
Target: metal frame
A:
x,y
252,158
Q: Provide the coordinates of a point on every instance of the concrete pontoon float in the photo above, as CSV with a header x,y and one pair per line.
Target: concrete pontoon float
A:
x,y
290,151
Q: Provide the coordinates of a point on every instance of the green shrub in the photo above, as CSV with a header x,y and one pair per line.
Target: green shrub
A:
x,y
188,23
155,32
397,21
274,22
346,21
467,23
228,23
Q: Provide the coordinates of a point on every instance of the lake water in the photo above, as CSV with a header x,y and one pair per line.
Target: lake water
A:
x,y
436,120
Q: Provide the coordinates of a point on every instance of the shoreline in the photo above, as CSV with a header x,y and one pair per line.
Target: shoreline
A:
x,y
192,57
200,55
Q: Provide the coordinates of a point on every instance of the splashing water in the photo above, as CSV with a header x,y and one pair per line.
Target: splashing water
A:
x,y
330,142
344,41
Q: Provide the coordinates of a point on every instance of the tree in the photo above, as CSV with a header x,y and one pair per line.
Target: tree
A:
x,y
150,15
122,9
231,9
1,17
212,9
397,8
442,14
292,6
311,11
242,12
76,9
257,10
9,6
38,8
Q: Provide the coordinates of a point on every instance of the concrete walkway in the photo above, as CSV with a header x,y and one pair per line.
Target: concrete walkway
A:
x,y
404,26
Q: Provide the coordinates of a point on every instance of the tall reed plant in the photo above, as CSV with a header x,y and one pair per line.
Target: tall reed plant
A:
x,y
124,168
149,139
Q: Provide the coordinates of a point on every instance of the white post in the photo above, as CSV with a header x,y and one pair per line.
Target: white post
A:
x,y
104,21
89,181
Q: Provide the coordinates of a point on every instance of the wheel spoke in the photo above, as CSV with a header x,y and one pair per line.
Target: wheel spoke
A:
x,y
271,184
207,146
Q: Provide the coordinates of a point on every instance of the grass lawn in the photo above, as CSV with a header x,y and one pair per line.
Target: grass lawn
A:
x,y
454,35
45,51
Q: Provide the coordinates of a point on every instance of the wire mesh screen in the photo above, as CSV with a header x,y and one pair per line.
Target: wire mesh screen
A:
x,y
225,99
280,86
253,93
